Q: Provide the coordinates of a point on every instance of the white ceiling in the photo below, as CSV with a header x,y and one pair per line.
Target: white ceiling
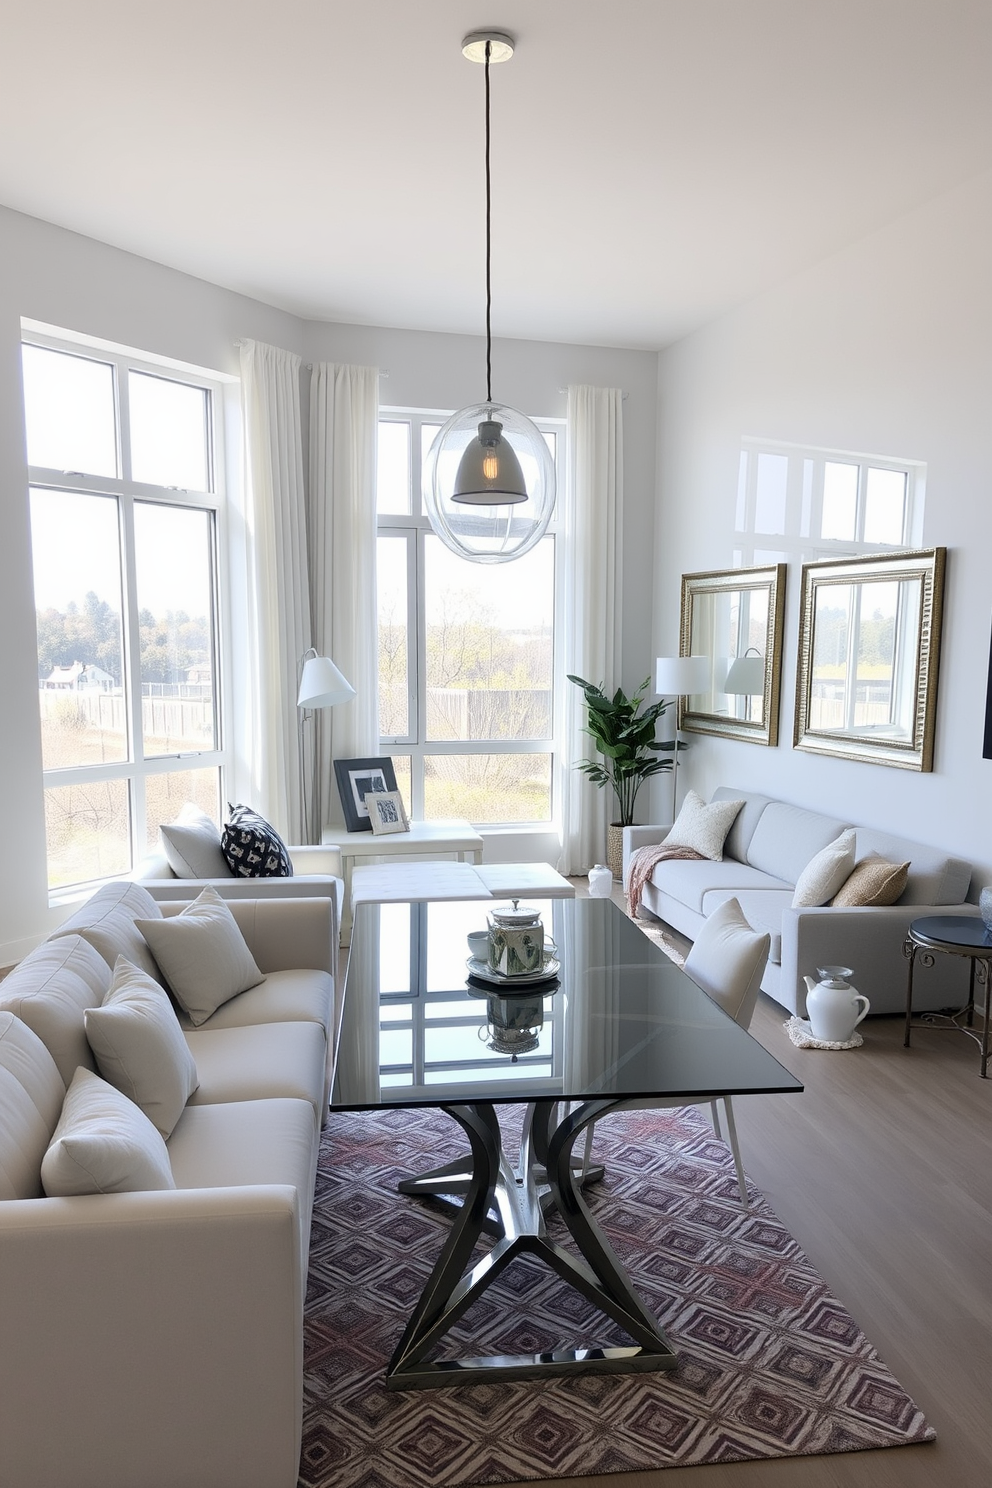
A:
x,y
655,161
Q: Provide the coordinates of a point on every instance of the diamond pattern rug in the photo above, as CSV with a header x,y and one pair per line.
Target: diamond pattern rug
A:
x,y
770,1363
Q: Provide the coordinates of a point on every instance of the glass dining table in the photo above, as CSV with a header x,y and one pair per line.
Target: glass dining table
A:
x,y
613,1024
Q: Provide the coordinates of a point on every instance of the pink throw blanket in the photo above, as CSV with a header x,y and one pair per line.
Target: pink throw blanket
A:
x,y
643,863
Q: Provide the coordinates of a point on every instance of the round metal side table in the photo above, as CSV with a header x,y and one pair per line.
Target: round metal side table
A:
x,y
953,935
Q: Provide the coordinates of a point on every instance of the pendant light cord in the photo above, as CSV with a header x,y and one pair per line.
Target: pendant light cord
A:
x,y
489,246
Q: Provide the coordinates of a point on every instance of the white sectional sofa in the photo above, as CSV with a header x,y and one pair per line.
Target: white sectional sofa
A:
x,y
316,874
156,1338
766,849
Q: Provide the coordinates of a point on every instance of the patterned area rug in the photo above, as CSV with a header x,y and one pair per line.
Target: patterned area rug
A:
x,y
770,1364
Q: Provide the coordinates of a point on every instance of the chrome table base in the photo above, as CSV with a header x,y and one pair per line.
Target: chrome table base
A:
x,y
511,1205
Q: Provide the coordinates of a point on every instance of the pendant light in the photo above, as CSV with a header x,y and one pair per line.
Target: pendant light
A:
x,y
489,479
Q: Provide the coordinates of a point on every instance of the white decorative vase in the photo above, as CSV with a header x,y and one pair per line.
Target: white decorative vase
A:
x,y
600,882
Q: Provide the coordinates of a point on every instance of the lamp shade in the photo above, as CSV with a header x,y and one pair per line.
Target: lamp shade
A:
x,y
489,483
322,685
681,676
746,677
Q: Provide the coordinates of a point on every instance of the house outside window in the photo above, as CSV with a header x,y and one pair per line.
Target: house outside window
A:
x,y
467,653
126,495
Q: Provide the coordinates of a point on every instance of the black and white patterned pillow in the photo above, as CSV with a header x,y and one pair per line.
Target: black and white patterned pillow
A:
x,y
251,848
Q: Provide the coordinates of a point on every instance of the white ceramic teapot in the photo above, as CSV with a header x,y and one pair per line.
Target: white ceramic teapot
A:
x,y
832,1005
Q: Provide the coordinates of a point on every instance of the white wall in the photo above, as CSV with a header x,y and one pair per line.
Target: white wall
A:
x,y
885,348
63,279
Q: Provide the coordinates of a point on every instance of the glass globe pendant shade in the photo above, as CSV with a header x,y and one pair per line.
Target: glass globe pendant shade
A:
x,y
489,484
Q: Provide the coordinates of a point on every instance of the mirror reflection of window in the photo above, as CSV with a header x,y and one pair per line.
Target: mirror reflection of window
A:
x,y
864,658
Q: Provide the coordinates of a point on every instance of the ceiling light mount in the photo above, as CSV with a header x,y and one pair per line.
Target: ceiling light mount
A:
x,y
489,479
501,46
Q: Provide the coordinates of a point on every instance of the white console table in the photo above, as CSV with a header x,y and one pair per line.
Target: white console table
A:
x,y
424,839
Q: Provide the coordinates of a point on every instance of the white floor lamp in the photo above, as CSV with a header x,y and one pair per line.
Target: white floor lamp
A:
x,y
680,677
321,686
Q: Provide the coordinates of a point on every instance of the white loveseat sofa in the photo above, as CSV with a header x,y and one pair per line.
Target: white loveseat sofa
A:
x,y
767,848
156,1338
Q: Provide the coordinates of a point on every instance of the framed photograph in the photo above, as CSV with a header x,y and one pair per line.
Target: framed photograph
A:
x,y
357,779
387,813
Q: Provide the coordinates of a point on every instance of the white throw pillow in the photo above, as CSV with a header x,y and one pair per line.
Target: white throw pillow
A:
x,y
192,845
826,872
203,955
103,1144
727,959
703,828
140,1048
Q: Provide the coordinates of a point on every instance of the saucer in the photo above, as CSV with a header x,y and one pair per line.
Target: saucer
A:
x,y
484,973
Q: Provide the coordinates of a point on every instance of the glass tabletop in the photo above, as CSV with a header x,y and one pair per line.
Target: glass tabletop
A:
x,y
953,930
618,1021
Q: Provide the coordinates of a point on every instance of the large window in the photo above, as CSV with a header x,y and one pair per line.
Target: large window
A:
x,y
466,654
124,506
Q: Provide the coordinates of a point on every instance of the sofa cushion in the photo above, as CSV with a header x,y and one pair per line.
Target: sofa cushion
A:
x,y
103,1144
703,828
203,955
107,919
691,882
874,881
139,1046
31,1095
786,837
192,845
934,876
252,848
762,908
727,959
51,989
269,1061
740,834
244,1143
824,873
284,997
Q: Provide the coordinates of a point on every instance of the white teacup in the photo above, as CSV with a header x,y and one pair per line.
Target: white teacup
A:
x,y
478,945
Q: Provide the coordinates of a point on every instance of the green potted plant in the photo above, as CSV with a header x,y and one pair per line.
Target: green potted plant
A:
x,y
624,734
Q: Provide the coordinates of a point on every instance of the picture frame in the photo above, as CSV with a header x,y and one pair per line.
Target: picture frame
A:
x,y
387,812
357,779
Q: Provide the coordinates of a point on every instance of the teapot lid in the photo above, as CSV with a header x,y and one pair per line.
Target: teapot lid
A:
x,y
519,915
834,975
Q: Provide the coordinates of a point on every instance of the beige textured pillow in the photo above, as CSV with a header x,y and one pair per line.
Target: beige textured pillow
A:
x,y
875,881
824,873
103,1144
140,1048
203,955
701,827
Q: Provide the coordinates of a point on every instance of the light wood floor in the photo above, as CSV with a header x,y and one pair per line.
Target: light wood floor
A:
x,y
882,1170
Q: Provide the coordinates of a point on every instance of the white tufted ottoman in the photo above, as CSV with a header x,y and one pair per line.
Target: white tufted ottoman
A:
x,y
391,883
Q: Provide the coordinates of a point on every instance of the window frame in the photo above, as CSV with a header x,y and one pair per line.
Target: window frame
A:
x,y
414,527
136,768
800,540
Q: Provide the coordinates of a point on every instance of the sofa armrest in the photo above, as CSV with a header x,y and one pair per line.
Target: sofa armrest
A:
x,y
166,1326
870,941
635,837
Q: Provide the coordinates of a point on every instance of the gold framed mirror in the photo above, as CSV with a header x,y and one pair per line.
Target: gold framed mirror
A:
x,y
734,617
869,647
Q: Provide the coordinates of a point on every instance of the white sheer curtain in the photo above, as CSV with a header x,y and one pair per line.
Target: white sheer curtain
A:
x,y
344,424
593,515
278,608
